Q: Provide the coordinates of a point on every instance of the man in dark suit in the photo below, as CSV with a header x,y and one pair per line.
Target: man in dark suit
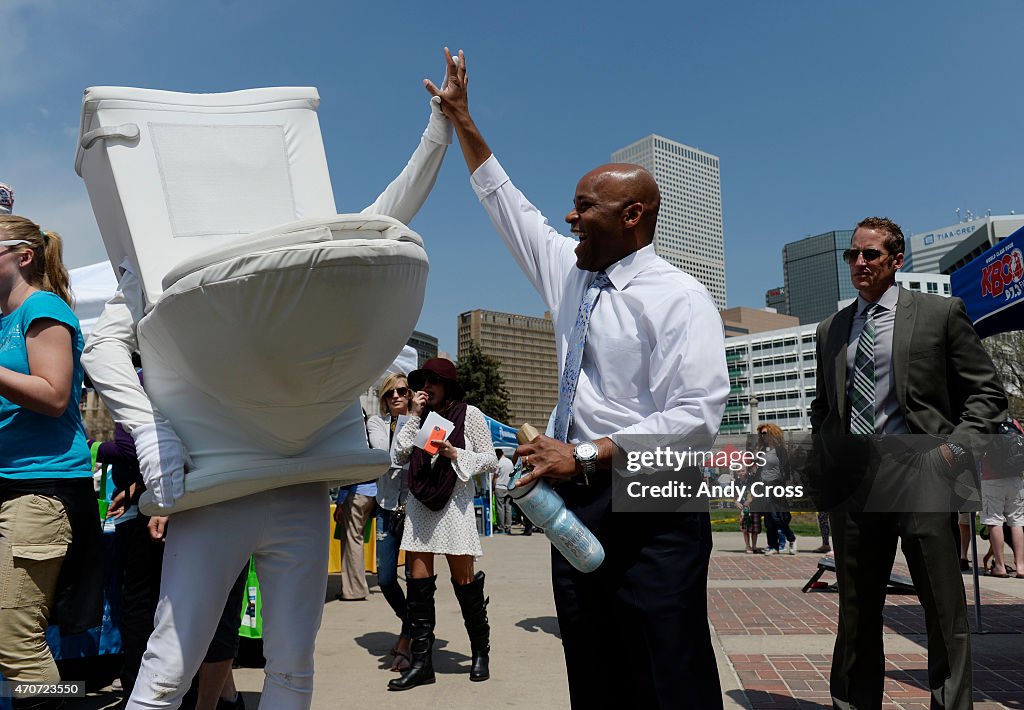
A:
x,y
897,366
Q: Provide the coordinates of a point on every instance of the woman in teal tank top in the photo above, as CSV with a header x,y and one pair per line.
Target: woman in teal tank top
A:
x,y
49,523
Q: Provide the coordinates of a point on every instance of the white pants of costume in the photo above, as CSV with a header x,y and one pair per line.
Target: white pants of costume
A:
x,y
287,530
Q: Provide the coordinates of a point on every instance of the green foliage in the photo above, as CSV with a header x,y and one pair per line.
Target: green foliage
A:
x,y
1007,351
480,374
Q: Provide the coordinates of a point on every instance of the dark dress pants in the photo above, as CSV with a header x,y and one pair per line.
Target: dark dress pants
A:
x,y
635,632
865,547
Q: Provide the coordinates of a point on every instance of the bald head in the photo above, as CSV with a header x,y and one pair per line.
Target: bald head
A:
x,y
631,183
615,211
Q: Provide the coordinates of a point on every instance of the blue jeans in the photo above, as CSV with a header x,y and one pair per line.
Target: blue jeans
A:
x,y
777,524
387,566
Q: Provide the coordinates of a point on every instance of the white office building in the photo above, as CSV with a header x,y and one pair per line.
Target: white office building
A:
x,y
777,368
926,249
689,233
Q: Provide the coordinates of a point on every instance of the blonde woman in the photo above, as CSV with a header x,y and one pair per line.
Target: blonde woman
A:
x,y
49,526
392,491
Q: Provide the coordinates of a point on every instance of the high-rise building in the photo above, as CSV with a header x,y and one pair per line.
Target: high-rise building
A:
x,y
816,276
776,298
525,348
689,233
425,344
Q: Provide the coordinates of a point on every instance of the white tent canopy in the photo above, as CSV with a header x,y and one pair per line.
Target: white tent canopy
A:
x,y
92,287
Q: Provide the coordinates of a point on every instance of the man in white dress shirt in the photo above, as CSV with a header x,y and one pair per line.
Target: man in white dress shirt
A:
x,y
652,365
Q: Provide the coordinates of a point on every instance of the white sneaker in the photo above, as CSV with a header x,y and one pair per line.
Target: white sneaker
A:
x,y
792,548
771,551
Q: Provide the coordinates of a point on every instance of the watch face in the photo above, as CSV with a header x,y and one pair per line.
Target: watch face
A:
x,y
586,450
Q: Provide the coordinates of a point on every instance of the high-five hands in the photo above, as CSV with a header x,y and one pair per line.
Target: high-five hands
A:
x,y
452,93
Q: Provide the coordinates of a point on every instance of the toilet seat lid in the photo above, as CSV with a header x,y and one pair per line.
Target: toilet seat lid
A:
x,y
304,231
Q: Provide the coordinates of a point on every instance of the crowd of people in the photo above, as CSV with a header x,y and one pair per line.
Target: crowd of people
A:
x,y
641,351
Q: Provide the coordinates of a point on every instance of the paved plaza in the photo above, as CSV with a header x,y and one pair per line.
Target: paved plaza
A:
x,y
774,643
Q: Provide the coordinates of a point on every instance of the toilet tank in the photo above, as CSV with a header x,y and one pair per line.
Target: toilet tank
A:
x,y
171,175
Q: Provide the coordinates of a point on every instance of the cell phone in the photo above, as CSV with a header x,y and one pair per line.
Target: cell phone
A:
x,y
436,435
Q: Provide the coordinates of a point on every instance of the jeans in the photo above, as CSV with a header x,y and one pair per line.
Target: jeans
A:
x,y
387,566
777,523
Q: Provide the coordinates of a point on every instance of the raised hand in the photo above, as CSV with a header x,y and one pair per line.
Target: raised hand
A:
x,y
452,93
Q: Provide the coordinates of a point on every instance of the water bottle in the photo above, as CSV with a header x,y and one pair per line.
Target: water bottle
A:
x,y
547,510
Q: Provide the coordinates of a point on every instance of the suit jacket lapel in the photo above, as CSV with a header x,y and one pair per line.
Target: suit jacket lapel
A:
x,y
902,332
839,337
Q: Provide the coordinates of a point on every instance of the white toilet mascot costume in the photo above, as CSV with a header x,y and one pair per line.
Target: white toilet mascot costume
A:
x,y
260,315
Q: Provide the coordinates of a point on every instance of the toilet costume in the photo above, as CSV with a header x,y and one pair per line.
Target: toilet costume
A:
x,y
261,315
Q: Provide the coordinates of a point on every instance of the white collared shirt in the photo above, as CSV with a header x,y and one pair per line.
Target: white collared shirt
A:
x,y
654,361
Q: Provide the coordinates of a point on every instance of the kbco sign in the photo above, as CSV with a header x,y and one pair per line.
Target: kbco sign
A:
x,y
1005,272
992,287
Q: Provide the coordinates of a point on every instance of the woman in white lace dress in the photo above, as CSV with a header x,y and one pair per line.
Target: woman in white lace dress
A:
x,y
439,516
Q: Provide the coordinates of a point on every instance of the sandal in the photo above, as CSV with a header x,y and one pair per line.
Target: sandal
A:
x,y
991,572
750,550
401,663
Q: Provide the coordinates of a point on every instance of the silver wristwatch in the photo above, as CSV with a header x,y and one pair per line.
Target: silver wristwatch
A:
x,y
585,454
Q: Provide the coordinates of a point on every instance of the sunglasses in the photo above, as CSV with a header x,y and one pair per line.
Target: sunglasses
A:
x,y
400,391
850,255
432,379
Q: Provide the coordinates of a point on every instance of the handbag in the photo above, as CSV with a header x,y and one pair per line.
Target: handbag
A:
x,y
396,526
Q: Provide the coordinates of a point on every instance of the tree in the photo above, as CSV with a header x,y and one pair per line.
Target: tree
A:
x,y
480,374
1007,351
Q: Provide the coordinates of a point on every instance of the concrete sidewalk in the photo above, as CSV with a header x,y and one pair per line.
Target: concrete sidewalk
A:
x,y
774,643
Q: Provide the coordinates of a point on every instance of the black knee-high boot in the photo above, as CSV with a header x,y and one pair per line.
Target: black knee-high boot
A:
x,y
474,612
420,612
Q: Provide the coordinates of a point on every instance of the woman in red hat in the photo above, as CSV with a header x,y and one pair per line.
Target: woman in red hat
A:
x,y
439,516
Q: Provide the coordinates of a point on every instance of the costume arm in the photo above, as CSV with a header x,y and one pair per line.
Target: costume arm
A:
x,y
973,381
107,357
478,456
405,195
689,380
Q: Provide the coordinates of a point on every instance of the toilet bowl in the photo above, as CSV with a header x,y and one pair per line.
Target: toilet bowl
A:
x,y
266,314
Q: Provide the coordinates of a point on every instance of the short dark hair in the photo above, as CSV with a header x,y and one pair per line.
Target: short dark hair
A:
x,y
894,241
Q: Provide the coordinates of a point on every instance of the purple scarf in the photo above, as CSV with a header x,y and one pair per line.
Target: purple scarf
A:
x,y
433,484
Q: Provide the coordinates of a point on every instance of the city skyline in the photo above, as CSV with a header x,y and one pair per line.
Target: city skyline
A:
x,y
820,115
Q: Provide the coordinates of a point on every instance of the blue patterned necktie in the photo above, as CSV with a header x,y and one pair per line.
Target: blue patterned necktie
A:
x,y
574,357
862,392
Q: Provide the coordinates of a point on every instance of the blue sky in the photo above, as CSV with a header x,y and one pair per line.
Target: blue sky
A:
x,y
821,112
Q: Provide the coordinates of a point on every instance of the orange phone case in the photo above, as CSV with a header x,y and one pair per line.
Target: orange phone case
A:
x,y
430,447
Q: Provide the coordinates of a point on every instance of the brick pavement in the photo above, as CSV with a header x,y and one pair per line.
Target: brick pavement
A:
x,y
778,640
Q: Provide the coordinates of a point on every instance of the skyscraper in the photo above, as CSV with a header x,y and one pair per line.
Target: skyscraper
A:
x,y
817,278
689,233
